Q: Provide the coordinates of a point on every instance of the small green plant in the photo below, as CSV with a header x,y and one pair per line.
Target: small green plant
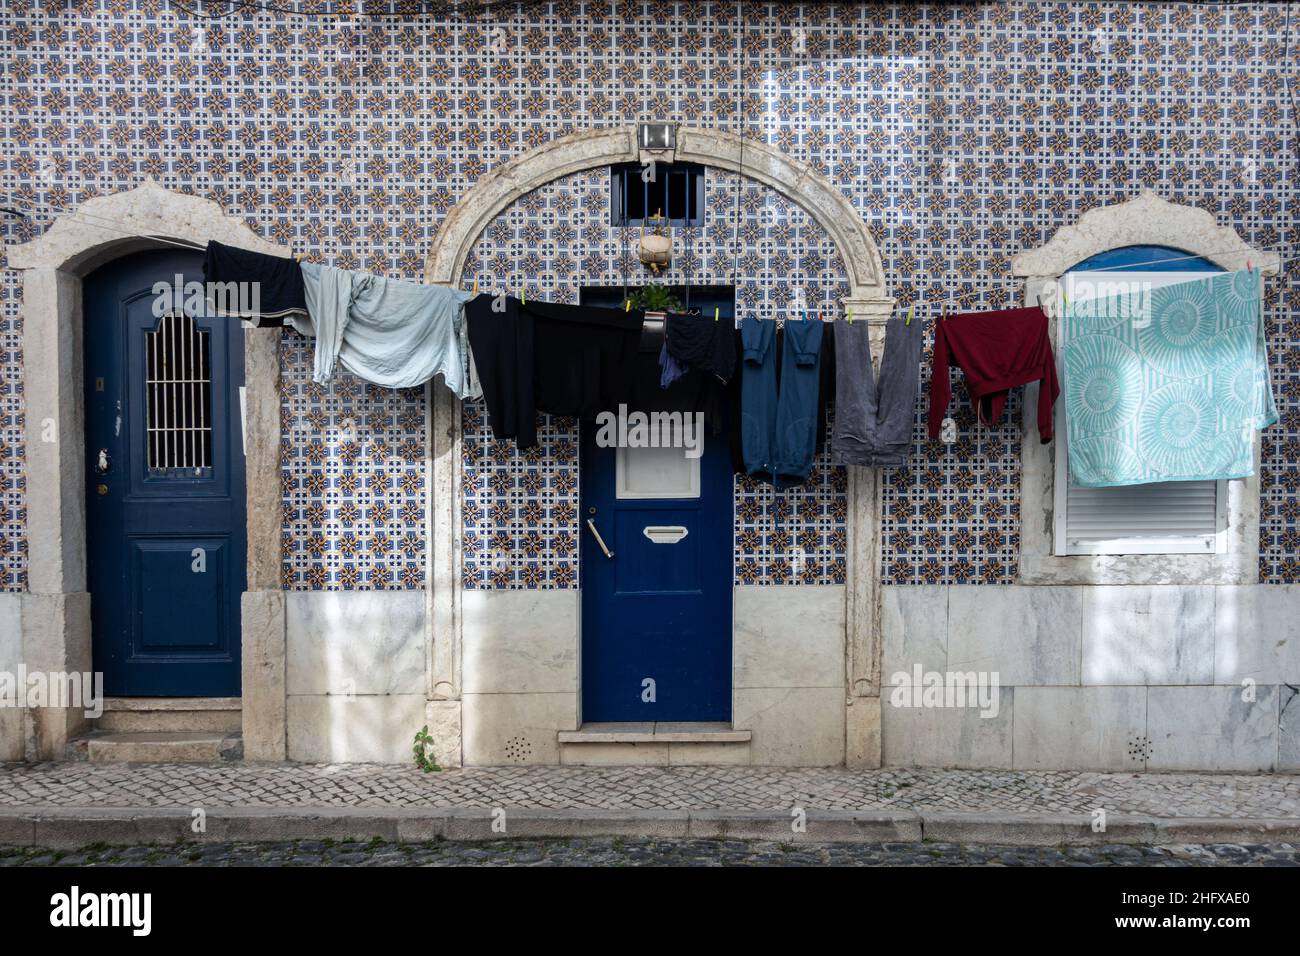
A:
x,y
654,298
423,749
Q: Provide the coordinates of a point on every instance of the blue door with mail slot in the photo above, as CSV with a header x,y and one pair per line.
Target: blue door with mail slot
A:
x,y
656,573
164,480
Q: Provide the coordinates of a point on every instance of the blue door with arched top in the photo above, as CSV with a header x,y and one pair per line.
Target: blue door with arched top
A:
x,y
164,480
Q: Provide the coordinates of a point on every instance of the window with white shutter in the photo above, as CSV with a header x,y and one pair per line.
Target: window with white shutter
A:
x,y
1172,517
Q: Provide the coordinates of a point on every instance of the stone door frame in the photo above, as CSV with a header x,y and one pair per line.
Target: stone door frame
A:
x,y
56,605
868,298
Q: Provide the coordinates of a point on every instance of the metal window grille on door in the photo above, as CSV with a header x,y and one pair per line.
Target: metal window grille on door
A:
x,y
178,397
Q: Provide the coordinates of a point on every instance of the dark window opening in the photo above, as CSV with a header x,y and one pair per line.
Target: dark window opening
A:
x,y
676,192
178,398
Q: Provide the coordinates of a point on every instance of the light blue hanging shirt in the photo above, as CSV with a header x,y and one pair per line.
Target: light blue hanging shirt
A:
x,y
1166,384
388,332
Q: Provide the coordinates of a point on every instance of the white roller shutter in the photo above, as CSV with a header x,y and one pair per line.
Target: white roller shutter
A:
x,y
1170,517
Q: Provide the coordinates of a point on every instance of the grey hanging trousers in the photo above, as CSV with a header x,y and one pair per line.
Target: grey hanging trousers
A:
x,y
874,421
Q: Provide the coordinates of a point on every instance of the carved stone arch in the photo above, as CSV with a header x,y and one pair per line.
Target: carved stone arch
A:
x,y
592,149
55,608
868,297
1146,220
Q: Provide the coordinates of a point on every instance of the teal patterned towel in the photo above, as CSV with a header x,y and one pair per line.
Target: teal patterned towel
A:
x,y
1166,384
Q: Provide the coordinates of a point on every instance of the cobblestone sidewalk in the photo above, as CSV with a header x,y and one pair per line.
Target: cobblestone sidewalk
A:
x,y
299,786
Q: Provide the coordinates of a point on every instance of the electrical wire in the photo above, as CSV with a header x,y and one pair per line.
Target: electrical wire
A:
x,y
113,225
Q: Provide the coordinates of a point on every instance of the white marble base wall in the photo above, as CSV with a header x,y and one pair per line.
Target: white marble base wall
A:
x,y
520,665
1159,677
355,675
11,654
788,676
1171,677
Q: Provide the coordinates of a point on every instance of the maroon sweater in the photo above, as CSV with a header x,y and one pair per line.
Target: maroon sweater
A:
x,y
997,351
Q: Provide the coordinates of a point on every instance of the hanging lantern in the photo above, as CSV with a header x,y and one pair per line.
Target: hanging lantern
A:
x,y
656,246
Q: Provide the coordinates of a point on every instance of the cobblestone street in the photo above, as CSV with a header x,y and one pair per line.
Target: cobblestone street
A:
x,y
629,852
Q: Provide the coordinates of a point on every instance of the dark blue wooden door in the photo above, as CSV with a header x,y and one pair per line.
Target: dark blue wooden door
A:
x,y
164,482
656,616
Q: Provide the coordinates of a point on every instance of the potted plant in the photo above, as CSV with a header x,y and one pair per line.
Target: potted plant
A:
x,y
655,299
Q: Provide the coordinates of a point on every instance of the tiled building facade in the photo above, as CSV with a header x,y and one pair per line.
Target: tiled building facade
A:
x,y
963,134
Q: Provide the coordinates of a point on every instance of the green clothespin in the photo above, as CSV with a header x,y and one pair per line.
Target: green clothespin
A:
x,y
850,308
716,310
523,296
627,305
910,309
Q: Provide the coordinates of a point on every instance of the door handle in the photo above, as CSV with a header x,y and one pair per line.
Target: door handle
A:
x,y
591,526
102,462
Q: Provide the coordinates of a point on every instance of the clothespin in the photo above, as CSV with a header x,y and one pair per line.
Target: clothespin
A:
x,y
910,309
1250,266
850,308
716,310
476,286
523,296
627,305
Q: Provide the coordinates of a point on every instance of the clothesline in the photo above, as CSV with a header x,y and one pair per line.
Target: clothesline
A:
x,y
111,225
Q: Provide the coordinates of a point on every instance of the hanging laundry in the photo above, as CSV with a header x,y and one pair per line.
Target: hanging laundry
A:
x,y
1166,384
389,332
998,351
874,420
701,342
692,391
670,370
267,289
583,358
780,415
502,347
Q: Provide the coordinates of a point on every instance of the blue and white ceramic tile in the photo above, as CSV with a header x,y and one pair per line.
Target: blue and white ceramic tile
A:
x,y
963,134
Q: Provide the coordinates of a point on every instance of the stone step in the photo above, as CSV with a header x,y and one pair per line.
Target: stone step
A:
x,y
161,747
663,743
171,714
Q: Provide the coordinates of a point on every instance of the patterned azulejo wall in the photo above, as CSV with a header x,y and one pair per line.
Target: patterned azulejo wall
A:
x,y
521,510
354,480
963,133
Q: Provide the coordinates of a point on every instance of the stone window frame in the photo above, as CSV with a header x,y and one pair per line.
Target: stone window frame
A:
x,y
1146,220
